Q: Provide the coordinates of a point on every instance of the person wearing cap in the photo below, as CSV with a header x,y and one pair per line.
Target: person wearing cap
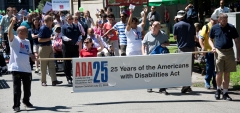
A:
x,y
203,40
222,35
72,44
185,34
46,51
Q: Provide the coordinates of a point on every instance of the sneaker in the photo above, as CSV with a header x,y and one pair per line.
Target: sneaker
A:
x,y
149,90
17,109
217,94
186,89
227,97
36,70
28,104
207,85
161,90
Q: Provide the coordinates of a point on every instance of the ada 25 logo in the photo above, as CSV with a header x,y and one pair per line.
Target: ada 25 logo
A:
x,y
84,69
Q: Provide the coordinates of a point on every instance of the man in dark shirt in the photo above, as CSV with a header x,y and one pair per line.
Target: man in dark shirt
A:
x,y
185,34
71,45
223,35
46,51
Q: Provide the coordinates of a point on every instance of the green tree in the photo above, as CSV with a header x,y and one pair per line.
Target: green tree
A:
x,y
42,3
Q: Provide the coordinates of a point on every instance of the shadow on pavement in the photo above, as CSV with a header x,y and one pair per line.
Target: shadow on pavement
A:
x,y
56,108
3,84
32,80
164,101
199,93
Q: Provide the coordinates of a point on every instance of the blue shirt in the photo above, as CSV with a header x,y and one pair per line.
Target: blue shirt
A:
x,y
44,32
29,27
1,17
35,32
120,27
223,36
185,33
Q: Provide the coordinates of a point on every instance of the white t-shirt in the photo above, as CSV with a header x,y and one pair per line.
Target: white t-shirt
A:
x,y
220,10
134,41
19,55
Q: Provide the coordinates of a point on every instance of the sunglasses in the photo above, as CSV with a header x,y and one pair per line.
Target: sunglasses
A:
x,y
86,42
70,19
122,16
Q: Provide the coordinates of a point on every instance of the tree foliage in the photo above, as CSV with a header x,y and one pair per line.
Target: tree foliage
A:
x,y
41,4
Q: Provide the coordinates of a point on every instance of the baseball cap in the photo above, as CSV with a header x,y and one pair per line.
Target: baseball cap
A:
x,y
180,14
214,17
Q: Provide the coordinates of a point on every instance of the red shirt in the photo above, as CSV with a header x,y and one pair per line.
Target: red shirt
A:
x,y
89,53
113,35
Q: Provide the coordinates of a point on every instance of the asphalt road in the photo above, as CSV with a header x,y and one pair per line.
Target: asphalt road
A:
x,y
60,99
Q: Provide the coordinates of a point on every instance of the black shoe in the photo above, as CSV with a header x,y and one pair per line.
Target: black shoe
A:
x,y
54,83
149,90
27,104
161,90
186,89
217,94
69,81
227,97
17,109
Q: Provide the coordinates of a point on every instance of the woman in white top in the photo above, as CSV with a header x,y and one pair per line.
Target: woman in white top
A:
x,y
133,33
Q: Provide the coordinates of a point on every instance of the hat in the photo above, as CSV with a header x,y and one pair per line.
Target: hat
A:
x,y
214,17
56,26
180,14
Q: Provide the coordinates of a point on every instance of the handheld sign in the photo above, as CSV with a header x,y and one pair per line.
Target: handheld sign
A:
x,y
131,6
131,72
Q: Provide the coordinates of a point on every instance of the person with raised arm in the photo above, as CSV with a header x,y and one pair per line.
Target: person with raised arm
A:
x,y
19,64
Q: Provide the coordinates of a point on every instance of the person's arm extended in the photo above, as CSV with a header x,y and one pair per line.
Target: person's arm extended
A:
x,y
238,48
109,31
10,33
144,18
128,27
210,41
101,44
34,36
143,49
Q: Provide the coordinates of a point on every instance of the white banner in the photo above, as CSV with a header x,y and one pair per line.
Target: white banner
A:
x,y
47,7
132,72
59,5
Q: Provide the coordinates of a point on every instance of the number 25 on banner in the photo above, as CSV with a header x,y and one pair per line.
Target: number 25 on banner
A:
x,y
84,69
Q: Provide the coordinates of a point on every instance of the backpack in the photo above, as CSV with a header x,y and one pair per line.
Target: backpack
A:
x,y
192,15
160,50
57,45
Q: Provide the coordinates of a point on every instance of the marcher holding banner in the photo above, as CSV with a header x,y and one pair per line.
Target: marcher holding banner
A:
x,y
223,35
152,39
133,33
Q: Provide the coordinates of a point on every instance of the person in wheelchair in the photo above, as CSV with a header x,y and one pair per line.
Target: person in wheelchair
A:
x,y
94,37
57,43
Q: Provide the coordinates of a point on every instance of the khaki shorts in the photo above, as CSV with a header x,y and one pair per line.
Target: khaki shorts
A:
x,y
225,60
35,48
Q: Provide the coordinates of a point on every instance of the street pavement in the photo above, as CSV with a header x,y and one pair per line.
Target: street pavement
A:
x,y
60,99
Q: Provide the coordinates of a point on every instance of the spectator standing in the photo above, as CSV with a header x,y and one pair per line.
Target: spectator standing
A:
x,y
223,35
113,36
46,51
167,19
133,33
28,25
210,66
153,15
15,13
185,34
88,19
5,22
72,44
81,29
152,39
19,65
58,20
221,9
120,28
146,27
35,32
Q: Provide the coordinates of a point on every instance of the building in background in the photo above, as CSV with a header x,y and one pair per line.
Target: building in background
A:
x,y
19,4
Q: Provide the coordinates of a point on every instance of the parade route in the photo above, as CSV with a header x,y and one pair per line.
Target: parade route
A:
x,y
60,99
